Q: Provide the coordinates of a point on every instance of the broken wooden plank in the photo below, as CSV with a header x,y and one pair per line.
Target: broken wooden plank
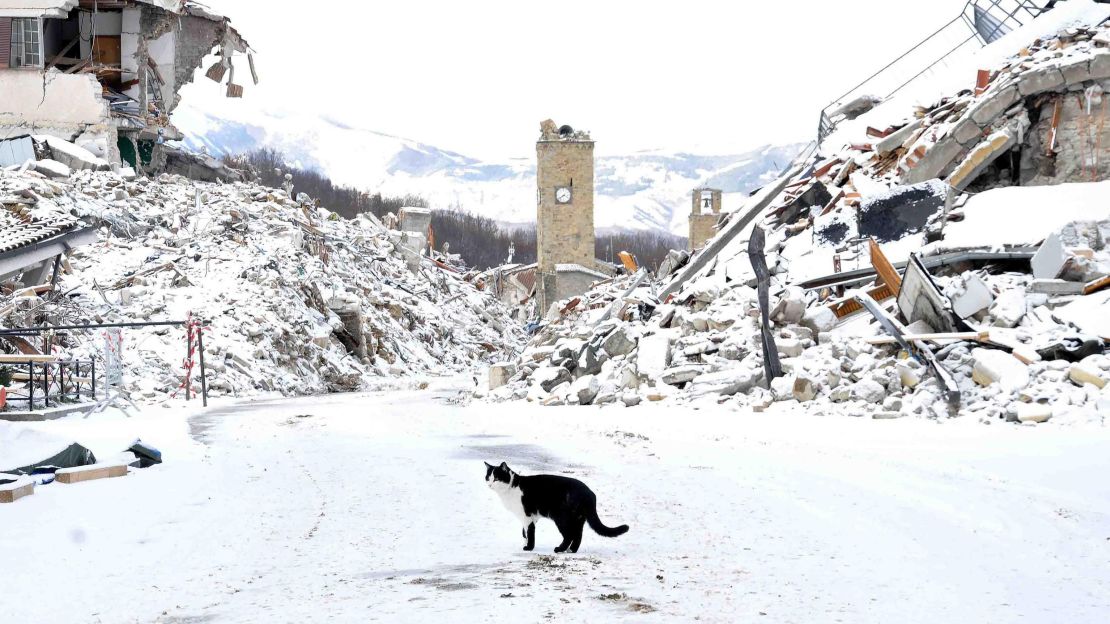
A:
x,y
254,72
61,55
17,489
90,473
883,267
849,306
628,261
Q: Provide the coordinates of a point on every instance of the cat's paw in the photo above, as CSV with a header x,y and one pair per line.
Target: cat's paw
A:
x,y
529,548
559,549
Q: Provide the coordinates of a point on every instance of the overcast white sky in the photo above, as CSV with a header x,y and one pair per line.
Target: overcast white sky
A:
x,y
719,76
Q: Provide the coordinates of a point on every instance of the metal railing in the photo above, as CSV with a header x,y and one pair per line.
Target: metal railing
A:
x,y
57,382
978,24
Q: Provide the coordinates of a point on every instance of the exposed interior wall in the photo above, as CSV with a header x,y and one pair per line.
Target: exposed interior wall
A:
x,y
195,40
1082,149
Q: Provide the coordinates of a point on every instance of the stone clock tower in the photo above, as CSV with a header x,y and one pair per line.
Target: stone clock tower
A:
x,y
565,205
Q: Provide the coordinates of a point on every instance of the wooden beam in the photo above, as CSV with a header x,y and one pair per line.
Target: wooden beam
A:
x,y
982,336
61,55
90,473
1096,285
11,492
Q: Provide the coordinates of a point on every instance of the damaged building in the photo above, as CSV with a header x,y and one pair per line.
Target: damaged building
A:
x,y
106,74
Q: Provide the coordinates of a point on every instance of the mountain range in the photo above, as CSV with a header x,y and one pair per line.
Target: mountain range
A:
x,y
644,190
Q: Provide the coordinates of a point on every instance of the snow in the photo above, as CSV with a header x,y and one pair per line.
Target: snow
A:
x,y
1026,214
372,507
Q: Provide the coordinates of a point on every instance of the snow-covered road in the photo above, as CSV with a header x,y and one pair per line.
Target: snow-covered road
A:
x,y
373,508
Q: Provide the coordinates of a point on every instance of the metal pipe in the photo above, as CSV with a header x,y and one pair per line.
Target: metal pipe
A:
x,y
203,381
42,328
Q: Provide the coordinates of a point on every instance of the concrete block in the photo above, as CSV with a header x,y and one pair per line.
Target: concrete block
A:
x,y
90,473
999,367
1056,287
17,489
682,374
500,373
585,389
1033,413
974,297
654,355
1040,80
994,104
1048,263
936,160
1083,374
727,382
804,390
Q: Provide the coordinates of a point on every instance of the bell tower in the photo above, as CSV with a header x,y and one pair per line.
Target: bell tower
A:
x,y
565,205
704,213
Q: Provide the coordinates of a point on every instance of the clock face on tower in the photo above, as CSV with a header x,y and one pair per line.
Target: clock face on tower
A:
x,y
562,194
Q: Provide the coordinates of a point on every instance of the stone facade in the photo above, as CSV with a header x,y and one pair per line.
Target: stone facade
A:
x,y
564,225
705,209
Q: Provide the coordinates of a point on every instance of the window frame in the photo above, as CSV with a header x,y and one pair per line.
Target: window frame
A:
x,y
20,57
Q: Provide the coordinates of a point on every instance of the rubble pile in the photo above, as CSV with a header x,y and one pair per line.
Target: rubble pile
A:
x,y
294,298
913,271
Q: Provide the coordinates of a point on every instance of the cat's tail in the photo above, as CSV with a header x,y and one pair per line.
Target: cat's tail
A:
x,y
601,529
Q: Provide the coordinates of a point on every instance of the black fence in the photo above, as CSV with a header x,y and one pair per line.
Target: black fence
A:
x,y
53,383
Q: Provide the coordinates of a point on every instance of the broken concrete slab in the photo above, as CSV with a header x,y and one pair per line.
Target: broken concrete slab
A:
x,y
995,102
52,168
1048,263
937,160
682,374
1056,287
895,139
727,382
500,373
90,473
1040,80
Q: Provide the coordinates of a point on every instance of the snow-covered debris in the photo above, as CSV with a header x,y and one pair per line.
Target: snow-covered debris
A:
x,y
981,337
296,299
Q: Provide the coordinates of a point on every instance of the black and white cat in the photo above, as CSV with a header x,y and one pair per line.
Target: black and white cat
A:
x,y
567,502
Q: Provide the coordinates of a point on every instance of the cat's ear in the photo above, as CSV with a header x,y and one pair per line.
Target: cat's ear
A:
x,y
504,465
487,464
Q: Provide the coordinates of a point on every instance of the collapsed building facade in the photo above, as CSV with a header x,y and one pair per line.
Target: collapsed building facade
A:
x,y
923,259
106,74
